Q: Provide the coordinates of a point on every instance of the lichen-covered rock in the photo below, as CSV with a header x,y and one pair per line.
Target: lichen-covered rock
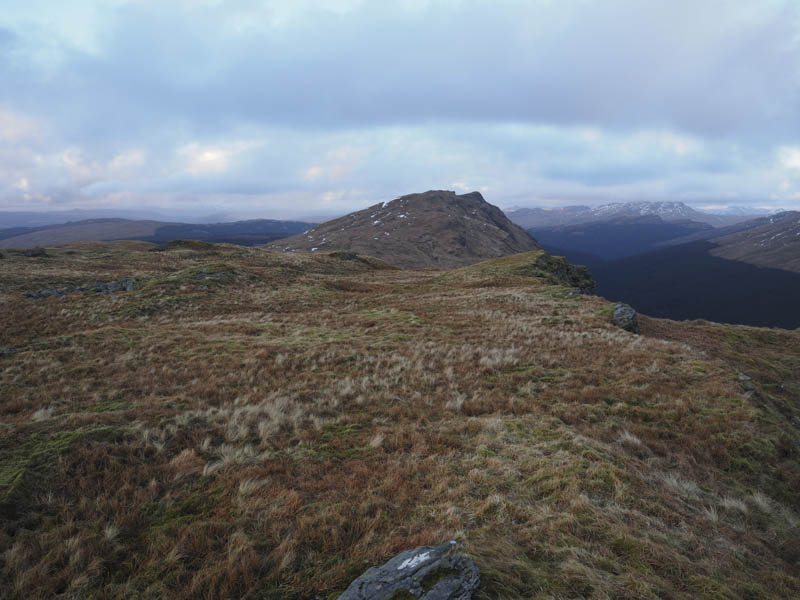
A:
x,y
557,270
46,293
123,285
625,317
427,573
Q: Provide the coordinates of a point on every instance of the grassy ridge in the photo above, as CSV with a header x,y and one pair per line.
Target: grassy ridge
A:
x,y
248,424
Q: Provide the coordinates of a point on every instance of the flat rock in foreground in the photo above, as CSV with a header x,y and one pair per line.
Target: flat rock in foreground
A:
x,y
427,572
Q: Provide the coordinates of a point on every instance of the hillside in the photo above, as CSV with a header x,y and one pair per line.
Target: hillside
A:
x,y
91,230
252,424
435,229
534,218
719,232
775,244
258,231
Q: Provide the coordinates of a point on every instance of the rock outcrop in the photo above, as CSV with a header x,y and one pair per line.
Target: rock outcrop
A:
x,y
625,317
426,573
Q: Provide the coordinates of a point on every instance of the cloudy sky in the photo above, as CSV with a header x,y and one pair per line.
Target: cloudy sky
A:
x,y
282,108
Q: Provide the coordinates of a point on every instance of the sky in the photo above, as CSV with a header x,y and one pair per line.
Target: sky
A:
x,y
294,108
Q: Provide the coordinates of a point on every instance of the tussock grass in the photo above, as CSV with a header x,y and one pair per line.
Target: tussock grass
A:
x,y
272,432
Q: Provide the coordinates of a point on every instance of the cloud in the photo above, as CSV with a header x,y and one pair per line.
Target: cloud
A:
x,y
16,126
348,101
789,157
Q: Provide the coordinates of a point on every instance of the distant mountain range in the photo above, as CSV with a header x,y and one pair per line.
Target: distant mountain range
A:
x,y
436,229
259,231
536,218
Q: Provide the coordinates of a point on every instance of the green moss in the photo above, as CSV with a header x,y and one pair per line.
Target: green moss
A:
x,y
709,589
403,595
431,579
189,245
166,515
25,461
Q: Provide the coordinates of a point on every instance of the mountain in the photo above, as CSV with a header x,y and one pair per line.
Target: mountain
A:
x,y
550,217
267,425
615,238
435,229
259,231
534,218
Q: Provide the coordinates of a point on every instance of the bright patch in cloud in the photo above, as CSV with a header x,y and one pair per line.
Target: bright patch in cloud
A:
x,y
202,159
15,126
789,157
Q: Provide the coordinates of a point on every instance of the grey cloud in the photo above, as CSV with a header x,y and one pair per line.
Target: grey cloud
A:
x,y
693,66
487,93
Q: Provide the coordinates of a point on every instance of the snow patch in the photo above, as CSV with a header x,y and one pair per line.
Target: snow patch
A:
x,y
314,249
412,562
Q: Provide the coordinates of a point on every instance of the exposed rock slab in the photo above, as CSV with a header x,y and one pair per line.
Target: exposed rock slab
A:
x,y
427,573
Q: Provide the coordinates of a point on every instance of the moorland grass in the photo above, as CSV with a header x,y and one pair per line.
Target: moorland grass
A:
x,y
272,432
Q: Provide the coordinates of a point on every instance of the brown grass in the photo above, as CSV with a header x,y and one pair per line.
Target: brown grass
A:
x,y
272,432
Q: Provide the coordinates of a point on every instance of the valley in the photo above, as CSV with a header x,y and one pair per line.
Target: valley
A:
x,y
746,273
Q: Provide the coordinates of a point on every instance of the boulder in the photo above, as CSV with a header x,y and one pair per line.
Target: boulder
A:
x,y
123,285
34,252
427,572
625,317
46,293
746,382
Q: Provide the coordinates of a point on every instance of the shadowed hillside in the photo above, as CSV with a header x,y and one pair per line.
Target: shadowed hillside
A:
x,y
689,282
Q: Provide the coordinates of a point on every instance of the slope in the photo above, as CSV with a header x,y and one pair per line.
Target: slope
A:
x,y
257,231
718,232
435,229
91,230
775,244
247,424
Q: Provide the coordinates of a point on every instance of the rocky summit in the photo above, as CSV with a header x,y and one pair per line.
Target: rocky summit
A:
x,y
435,229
